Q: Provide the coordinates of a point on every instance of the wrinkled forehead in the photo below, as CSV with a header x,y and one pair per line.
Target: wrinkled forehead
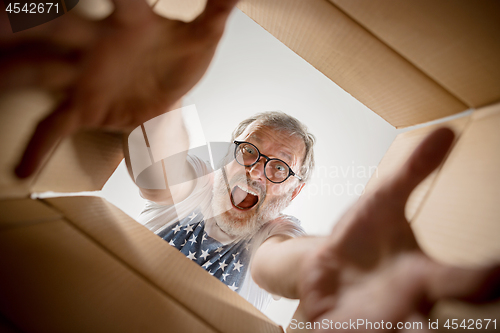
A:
x,y
276,142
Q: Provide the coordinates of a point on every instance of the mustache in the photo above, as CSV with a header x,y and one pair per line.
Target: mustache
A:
x,y
242,179
252,184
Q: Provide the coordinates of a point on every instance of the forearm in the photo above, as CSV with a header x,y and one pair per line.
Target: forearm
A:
x,y
278,263
155,155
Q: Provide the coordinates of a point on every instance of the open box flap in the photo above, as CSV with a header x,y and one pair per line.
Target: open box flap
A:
x,y
387,69
144,252
456,43
96,269
400,150
458,221
55,279
82,162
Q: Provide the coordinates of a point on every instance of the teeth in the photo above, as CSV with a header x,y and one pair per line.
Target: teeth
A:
x,y
247,190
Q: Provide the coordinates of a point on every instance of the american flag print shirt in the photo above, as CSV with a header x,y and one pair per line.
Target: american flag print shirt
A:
x,y
228,263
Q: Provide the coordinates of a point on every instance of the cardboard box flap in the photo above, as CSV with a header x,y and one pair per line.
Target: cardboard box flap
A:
x,y
56,279
144,253
456,43
18,212
82,162
458,222
400,150
355,59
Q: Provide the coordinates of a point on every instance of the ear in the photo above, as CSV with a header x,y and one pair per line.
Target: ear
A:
x,y
297,190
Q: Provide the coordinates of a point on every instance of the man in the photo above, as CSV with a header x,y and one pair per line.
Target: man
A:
x,y
221,220
134,65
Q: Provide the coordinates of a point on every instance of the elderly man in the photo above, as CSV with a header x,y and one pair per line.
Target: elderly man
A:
x,y
134,65
220,220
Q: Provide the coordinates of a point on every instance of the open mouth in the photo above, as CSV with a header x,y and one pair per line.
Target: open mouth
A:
x,y
243,198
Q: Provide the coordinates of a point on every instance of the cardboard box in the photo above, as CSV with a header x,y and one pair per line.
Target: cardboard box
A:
x,y
414,62
79,264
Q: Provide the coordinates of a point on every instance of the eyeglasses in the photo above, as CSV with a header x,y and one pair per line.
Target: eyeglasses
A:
x,y
275,170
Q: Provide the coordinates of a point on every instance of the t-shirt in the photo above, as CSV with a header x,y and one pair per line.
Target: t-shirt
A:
x,y
187,226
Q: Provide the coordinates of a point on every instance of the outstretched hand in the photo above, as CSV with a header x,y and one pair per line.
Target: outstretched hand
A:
x,y
114,74
372,267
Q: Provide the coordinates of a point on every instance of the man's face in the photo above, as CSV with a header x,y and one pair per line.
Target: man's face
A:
x,y
248,199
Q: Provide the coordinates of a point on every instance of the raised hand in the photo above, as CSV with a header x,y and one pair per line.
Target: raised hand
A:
x,y
114,74
371,266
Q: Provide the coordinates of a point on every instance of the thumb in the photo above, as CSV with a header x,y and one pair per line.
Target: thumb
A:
x,y
471,285
425,159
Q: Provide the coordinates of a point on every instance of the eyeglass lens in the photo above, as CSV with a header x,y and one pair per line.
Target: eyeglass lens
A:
x,y
247,155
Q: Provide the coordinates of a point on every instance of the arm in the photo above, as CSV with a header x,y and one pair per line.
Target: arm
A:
x,y
371,265
165,136
277,263
113,74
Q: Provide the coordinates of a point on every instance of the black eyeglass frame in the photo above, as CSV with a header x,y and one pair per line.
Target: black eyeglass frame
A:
x,y
268,159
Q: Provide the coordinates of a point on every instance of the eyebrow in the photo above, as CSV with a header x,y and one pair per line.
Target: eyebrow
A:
x,y
288,158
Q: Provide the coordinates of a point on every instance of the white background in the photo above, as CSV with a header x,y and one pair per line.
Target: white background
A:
x,y
254,72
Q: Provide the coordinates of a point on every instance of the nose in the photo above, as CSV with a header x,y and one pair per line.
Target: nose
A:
x,y
257,170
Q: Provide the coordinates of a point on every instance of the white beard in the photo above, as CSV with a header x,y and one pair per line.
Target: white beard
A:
x,y
246,223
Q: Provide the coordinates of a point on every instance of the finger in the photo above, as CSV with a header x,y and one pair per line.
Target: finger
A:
x,y
48,132
425,159
214,17
131,11
52,75
472,285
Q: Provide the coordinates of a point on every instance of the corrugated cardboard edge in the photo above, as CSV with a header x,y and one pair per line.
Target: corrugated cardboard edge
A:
x,y
458,221
56,279
142,251
456,43
82,162
355,59
400,150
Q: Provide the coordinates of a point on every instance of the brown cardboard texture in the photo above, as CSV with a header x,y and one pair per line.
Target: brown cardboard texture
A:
x,y
80,264
398,153
410,62
458,222
82,162
87,267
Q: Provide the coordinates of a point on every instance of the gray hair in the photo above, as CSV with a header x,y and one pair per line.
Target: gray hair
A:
x,y
283,122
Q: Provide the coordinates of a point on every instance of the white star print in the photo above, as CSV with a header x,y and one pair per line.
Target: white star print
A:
x,y
246,246
204,254
193,240
206,264
237,266
191,256
192,216
171,242
211,273
222,265
177,229
234,255
185,241
204,237
218,250
233,287
224,276
189,228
